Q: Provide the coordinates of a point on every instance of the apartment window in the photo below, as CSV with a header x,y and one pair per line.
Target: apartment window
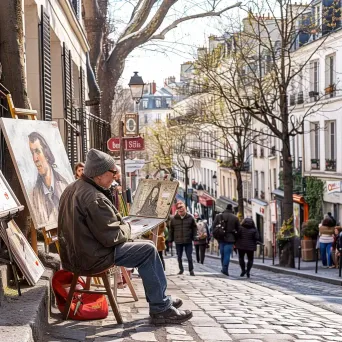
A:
x,y
314,78
224,185
318,16
330,75
256,183
158,103
262,185
168,102
229,188
145,104
330,146
315,140
234,190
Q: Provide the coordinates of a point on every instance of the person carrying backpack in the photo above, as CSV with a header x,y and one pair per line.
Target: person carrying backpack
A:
x,y
225,228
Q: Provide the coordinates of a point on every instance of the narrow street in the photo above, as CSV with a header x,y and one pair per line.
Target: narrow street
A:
x,y
267,307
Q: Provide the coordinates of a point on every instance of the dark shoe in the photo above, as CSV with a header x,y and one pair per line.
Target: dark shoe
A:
x,y
242,273
177,303
225,272
171,316
192,273
248,275
180,272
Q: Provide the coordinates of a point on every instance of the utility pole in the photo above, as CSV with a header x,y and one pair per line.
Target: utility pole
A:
x,y
122,160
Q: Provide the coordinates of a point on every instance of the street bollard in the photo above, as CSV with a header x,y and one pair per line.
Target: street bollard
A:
x,y
263,253
273,255
316,260
340,265
300,255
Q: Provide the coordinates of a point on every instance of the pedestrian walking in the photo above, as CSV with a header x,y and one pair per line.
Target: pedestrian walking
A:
x,y
246,243
201,240
335,247
224,229
183,230
326,239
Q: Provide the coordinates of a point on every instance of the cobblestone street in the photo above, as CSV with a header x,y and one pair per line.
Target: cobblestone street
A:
x,y
268,307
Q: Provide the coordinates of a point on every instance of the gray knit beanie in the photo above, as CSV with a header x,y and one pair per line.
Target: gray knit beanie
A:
x,y
97,163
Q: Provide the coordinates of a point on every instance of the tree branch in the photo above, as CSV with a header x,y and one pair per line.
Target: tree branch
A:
x,y
172,26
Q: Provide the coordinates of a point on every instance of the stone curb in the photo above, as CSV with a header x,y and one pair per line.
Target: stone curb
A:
x,y
277,269
24,319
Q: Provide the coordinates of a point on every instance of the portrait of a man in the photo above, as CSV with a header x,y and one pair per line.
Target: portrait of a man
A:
x,y
42,166
50,184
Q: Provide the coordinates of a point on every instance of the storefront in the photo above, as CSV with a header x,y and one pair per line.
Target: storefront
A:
x,y
207,208
222,202
259,213
332,199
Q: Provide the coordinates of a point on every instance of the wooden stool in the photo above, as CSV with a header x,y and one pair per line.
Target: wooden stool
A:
x,y
107,291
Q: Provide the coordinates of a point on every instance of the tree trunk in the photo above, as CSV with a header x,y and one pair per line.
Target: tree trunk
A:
x,y
287,257
12,58
239,188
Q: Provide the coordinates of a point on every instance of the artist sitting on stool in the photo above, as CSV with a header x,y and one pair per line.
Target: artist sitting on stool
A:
x,y
93,237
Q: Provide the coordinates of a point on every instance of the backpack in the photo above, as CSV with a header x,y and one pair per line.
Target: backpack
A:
x,y
84,306
219,231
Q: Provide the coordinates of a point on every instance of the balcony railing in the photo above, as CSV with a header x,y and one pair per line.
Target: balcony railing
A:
x,y
195,153
262,195
315,164
330,164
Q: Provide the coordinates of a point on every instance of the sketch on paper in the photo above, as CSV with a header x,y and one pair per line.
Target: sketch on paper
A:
x,y
42,165
8,202
153,198
24,256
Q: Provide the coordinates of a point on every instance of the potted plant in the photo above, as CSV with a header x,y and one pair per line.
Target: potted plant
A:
x,y
330,88
309,233
286,233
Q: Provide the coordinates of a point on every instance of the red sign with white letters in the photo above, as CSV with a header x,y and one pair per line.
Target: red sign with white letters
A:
x,y
131,144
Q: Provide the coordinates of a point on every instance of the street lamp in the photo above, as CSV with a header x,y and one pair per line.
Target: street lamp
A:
x,y
136,85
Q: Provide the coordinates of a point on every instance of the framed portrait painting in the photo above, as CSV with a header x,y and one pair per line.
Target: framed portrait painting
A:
x,y
42,165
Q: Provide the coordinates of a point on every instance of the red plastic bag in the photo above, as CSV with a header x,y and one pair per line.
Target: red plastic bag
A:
x,y
84,306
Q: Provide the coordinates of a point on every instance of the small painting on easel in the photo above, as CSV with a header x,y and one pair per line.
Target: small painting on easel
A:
x,y
42,165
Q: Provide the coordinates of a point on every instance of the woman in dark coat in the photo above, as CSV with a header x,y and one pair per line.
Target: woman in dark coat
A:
x,y
246,244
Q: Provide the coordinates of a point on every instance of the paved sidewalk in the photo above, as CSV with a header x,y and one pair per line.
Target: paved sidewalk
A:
x,y
268,307
307,269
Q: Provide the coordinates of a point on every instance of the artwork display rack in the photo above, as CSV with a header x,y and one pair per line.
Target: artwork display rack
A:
x,y
50,235
3,234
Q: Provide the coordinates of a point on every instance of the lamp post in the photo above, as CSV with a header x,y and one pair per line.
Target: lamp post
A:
x,y
136,85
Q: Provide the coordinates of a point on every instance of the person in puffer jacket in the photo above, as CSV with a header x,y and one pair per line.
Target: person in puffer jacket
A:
x,y
247,239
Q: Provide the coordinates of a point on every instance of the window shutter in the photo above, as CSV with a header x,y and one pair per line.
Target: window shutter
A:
x,y
45,66
68,89
83,116
76,5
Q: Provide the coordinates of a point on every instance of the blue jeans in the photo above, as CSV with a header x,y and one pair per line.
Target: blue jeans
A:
x,y
325,249
145,257
225,251
188,252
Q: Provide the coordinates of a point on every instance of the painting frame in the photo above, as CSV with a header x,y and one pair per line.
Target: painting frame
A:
x,y
36,147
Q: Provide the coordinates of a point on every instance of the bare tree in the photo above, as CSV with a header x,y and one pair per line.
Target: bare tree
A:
x,y
143,26
258,67
230,132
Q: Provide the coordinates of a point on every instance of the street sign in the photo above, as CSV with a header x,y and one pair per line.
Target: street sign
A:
x,y
132,165
131,144
131,124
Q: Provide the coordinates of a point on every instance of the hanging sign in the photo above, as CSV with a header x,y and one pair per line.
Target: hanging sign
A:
x,y
131,124
334,186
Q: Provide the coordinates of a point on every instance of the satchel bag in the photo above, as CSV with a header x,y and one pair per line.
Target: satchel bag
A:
x,y
84,306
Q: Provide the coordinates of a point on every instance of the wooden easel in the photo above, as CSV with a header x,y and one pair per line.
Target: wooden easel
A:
x,y
50,236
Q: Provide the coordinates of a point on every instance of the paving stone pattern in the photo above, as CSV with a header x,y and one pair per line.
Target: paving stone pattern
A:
x,y
268,307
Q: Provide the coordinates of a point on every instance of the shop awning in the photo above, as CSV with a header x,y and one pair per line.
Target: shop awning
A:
x,y
222,202
206,200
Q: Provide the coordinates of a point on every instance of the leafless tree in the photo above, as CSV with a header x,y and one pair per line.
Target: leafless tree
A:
x,y
144,25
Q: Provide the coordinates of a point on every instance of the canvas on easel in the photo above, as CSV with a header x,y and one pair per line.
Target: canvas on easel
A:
x,y
42,165
151,205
